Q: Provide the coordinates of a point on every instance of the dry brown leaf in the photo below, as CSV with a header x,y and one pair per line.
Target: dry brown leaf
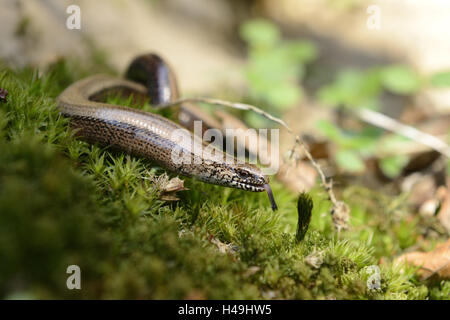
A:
x,y
444,212
174,185
434,264
319,148
297,178
421,188
170,188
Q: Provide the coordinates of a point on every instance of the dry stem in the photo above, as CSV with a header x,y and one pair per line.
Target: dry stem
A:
x,y
387,123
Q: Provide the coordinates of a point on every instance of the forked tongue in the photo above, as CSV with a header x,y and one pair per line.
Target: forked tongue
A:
x,y
270,194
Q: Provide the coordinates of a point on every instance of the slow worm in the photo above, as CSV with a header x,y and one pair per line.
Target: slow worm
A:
x,y
150,135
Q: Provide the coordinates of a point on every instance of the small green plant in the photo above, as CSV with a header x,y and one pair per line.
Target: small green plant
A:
x,y
275,66
440,79
304,209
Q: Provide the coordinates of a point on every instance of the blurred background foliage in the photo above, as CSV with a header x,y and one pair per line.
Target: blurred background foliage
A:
x,y
276,68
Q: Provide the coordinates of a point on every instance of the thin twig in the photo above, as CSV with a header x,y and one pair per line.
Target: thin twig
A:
x,y
339,211
387,123
241,106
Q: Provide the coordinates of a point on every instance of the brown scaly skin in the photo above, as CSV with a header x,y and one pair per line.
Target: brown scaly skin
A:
x,y
147,134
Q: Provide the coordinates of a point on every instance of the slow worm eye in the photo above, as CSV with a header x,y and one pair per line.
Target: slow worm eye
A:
x,y
243,174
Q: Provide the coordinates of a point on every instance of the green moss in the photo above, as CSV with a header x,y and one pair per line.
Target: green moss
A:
x,y
48,221
63,202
